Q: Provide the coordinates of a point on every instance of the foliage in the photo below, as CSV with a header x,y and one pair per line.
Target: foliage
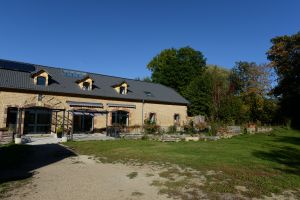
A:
x,y
285,59
234,96
146,79
189,127
232,110
59,131
199,93
248,77
201,126
219,89
150,127
172,129
251,83
176,68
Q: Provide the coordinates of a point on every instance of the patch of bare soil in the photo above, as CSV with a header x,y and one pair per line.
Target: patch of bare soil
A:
x,y
85,177
82,177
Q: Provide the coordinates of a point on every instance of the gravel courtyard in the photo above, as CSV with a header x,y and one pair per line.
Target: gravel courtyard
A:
x,y
83,178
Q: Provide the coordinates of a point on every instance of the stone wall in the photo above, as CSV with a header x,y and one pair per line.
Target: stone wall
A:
x,y
164,113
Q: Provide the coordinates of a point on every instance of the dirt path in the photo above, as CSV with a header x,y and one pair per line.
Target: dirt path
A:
x,y
83,178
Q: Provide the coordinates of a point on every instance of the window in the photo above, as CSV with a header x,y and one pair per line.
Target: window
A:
x,y
40,80
176,118
152,117
86,86
120,118
122,90
11,119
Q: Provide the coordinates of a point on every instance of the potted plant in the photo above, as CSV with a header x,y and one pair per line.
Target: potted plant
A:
x,y
65,137
59,132
18,139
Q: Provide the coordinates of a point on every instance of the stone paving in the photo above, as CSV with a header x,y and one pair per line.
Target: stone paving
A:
x,y
38,139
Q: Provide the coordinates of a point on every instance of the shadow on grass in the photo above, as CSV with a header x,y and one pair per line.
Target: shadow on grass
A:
x,y
288,159
289,140
18,162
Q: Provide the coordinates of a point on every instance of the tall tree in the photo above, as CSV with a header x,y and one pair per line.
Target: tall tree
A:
x,y
199,93
176,68
219,88
248,77
285,58
252,83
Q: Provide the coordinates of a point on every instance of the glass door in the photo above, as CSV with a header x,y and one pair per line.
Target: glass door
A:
x,y
37,121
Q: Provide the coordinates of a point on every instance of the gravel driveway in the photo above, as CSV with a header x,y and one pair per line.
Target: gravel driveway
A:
x,y
59,175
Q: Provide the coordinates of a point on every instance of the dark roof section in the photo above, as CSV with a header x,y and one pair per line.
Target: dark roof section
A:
x,y
84,79
17,75
36,73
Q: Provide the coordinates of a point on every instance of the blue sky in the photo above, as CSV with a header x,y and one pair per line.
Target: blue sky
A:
x,y
120,37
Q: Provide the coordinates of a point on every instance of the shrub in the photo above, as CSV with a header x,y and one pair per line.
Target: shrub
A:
x,y
214,127
189,128
201,126
151,127
59,131
145,137
172,129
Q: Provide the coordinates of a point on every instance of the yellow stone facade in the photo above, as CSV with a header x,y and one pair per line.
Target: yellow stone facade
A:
x,y
164,112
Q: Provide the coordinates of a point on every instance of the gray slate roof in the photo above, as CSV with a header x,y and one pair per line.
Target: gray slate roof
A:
x,y
17,75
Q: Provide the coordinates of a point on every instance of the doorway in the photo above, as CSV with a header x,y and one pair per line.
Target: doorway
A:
x,y
37,120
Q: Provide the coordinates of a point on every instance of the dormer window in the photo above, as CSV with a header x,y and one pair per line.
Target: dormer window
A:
x,y
85,83
86,86
121,88
40,80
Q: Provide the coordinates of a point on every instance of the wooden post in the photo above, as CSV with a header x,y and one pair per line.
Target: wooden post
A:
x,y
55,121
72,128
63,124
19,121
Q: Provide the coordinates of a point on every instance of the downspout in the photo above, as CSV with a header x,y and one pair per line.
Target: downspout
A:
x,y
143,114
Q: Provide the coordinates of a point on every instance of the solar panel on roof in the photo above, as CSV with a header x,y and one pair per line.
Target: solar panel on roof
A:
x,y
74,74
16,66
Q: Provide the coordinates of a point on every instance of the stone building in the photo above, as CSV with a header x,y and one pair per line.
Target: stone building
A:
x,y
40,99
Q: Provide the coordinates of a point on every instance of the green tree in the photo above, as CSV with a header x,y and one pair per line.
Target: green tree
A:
x,y
285,58
176,68
233,110
248,77
252,83
219,86
199,93
146,79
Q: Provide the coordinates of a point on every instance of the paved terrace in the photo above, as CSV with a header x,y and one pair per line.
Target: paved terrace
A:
x,y
38,139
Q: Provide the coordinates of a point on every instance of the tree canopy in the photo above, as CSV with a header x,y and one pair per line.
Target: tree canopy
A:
x,y
285,58
176,68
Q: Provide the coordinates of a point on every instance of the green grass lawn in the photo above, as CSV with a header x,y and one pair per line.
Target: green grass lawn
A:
x,y
263,163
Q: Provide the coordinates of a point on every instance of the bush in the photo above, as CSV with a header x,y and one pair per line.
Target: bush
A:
x,y
214,127
145,137
201,126
59,131
189,128
151,127
172,129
